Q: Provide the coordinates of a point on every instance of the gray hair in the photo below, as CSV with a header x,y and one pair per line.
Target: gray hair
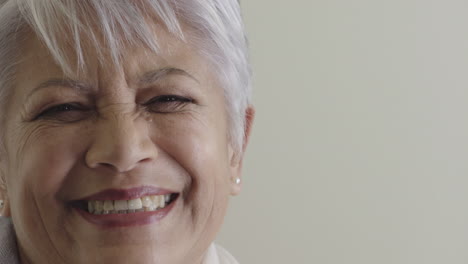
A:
x,y
216,29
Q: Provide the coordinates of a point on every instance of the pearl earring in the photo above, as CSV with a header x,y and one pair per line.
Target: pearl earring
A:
x,y
238,180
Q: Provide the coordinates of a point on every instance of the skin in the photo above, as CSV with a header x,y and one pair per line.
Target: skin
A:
x,y
116,139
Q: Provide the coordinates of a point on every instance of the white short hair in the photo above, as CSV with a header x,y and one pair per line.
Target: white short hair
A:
x,y
216,29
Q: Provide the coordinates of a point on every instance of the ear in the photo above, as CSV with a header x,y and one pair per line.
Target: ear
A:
x,y
5,209
237,158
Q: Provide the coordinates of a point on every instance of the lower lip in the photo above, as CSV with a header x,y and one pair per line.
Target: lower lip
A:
x,y
127,220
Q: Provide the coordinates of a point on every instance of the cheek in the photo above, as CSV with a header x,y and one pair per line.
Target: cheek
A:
x,y
201,152
37,171
200,148
43,159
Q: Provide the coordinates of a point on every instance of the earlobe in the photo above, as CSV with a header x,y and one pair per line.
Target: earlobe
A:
x,y
235,167
237,158
236,186
4,204
4,208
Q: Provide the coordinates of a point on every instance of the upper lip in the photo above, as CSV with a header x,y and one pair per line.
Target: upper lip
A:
x,y
127,194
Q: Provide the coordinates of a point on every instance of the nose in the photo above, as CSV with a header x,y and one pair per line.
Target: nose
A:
x,y
120,143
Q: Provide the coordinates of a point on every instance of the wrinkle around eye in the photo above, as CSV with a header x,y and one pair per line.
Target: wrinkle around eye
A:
x,y
67,113
168,108
53,95
57,111
69,117
27,134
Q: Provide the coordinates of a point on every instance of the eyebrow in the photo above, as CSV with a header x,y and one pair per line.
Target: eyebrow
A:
x,y
154,76
75,85
147,78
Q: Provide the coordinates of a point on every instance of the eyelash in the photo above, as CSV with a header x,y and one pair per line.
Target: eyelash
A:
x,y
174,101
61,108
169,99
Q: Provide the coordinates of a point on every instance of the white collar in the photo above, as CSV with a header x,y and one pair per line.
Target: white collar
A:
x,y
218,255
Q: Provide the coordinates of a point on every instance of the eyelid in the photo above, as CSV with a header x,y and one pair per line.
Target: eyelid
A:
x,y
50,110
166,104
180,99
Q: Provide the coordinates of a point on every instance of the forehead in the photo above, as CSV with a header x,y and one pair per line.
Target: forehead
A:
x,y
37,60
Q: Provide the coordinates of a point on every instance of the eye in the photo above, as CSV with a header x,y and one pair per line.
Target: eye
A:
x,y
69,112
168,103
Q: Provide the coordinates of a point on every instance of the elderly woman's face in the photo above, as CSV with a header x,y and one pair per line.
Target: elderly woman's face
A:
x,y
78,150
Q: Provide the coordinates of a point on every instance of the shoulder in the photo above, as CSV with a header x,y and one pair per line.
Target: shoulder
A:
x,y
8,250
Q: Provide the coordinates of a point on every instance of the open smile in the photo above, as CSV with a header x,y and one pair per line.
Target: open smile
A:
x,y
144,204
118,212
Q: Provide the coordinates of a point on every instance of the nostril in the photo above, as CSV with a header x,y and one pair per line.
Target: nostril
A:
x,y
106,165
145,160
116,167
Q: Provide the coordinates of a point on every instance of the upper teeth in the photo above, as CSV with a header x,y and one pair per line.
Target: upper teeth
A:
x,y
145,203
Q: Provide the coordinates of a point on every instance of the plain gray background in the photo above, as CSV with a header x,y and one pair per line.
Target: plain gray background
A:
x,y
359,153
